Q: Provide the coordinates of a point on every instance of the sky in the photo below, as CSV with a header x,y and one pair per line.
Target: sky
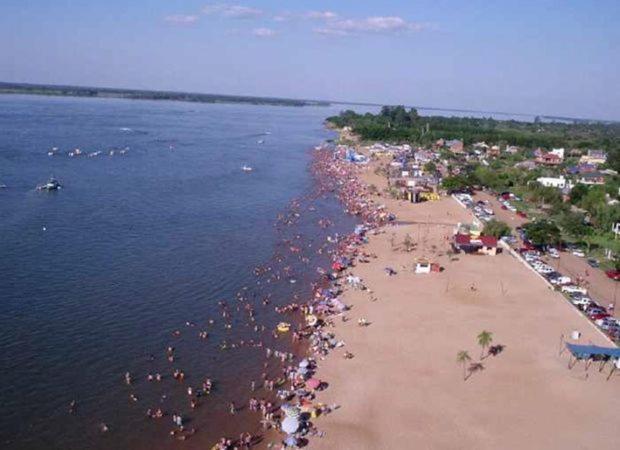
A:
x,y
535,57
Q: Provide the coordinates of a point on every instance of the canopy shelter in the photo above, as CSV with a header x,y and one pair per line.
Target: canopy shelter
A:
x,y
592,351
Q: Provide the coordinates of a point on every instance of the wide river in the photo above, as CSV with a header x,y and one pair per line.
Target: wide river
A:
x,y
145,236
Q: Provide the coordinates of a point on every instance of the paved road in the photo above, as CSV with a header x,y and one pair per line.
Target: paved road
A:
x,y
601,288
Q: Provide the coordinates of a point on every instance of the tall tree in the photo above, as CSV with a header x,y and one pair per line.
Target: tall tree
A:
x,y
542,232
463,358
484,340
496,228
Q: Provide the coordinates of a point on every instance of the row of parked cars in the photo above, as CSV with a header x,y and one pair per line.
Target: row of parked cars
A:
x,y
481,208
578,295
505,199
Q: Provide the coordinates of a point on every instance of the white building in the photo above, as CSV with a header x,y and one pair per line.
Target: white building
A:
x,y
559,182
558,152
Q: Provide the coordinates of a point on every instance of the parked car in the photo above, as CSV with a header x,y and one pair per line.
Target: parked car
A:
x,y
522,214
597,316
509,239
543,268
527,245
579,253
561,280
595,309
613,274
572,288
553,252
593,263
582,303
607,323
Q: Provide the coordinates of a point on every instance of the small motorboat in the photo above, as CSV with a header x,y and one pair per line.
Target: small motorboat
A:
x,y
52,185
261,141
247,169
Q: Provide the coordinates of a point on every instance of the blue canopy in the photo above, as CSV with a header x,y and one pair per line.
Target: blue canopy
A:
x,y
588,351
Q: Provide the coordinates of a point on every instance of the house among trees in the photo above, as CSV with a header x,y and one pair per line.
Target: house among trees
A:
x,y
549,159
493,151
559,152
591,178
480,146
594,157
527,165
455,146
482,245
581,168
556,182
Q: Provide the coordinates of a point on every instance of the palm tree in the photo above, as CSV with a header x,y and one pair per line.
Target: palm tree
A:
x,y
484,340
463,358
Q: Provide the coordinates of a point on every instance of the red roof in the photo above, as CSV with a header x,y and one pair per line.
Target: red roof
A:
x,y
489,241
462,239
465,239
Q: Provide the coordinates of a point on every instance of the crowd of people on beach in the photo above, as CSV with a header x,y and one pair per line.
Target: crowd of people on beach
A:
x,y
285,398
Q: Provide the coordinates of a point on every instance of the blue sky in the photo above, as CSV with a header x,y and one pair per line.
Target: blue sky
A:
x,y
540,57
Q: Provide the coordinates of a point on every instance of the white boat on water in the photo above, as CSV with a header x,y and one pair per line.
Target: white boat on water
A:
x,y
52,185
247,169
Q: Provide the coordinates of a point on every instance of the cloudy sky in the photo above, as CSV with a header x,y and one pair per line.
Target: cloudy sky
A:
x,y
540,57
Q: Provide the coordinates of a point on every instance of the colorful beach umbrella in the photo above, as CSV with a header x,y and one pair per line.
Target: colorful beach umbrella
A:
x,y
313,383
290,425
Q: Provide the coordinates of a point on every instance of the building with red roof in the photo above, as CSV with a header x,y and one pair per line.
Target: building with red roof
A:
x,y
483,245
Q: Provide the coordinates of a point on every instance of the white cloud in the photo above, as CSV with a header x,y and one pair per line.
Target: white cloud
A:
x,y
263,32
181,19
379,24
231,11
331,32
321,15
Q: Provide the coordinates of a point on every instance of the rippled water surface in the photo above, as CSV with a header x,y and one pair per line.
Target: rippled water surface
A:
x,y
95,277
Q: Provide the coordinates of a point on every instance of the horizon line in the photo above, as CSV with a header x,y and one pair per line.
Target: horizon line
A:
x,y
318,102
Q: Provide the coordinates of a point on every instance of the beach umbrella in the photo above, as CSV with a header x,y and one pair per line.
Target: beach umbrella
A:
x,y
313,383
290,425
311,320
290,410
290,441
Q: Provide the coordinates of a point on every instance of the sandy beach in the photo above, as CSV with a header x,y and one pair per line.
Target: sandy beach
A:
x,y
404,387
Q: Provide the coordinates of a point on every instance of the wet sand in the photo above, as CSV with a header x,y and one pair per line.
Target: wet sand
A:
x,y
404,387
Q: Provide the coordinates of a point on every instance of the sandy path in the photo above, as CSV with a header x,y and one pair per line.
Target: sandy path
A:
x,y
404,388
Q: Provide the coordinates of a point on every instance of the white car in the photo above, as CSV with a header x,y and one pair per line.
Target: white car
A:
x,y
561,280
572,288
541,267
530,258
582,302
553,253
579,253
